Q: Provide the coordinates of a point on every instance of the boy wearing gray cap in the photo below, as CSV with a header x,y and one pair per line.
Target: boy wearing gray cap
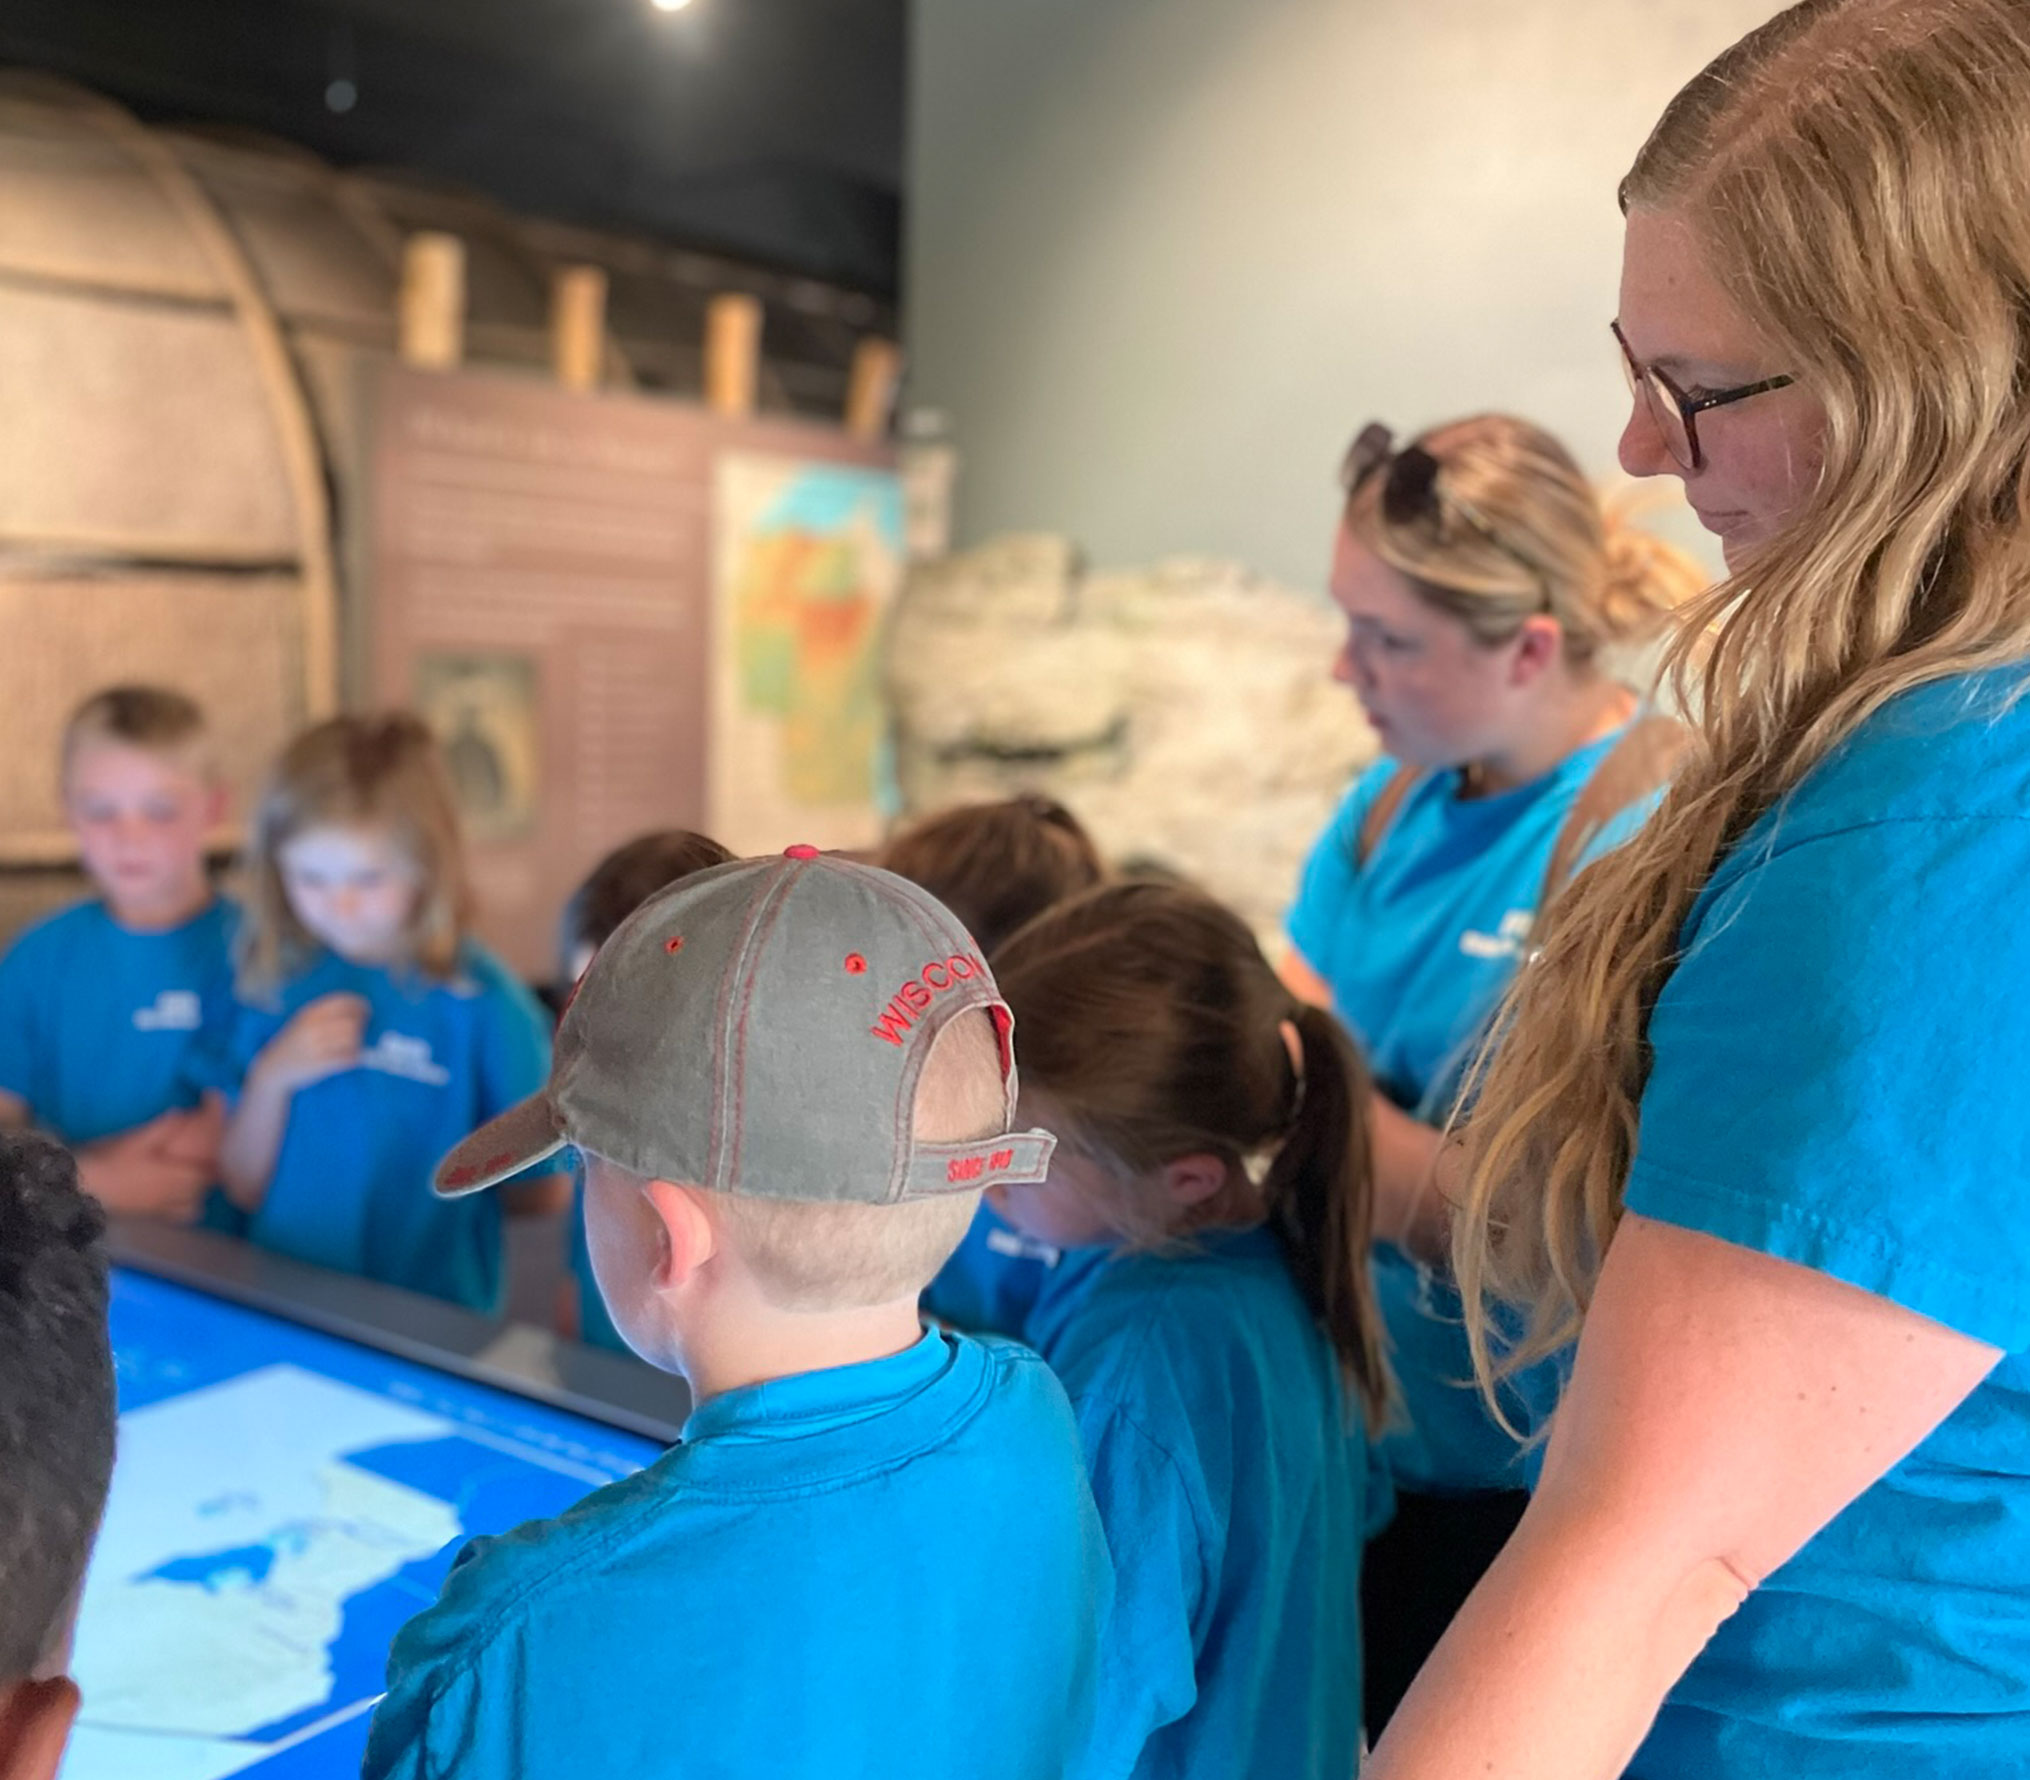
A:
x,y
875,1552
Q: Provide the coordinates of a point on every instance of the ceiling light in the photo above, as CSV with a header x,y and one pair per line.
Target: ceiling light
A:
x,y
669,5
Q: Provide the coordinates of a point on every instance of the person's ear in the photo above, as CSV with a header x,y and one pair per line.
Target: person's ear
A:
x,y
35,1721
216,803
689,1238
1538,646
1192,1180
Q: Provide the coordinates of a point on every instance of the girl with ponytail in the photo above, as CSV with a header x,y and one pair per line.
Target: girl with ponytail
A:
x,y
1211,1318
1754,1137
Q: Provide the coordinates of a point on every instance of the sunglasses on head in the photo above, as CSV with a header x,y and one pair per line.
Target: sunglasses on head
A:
x,y
1411,493
1411,490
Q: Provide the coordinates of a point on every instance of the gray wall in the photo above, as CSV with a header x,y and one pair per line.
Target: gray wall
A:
x,y
1165,256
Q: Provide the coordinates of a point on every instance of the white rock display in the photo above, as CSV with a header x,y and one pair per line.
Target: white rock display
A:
x,y
1186,712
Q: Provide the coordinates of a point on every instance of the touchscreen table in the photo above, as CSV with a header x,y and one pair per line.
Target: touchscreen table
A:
x,y
284,1500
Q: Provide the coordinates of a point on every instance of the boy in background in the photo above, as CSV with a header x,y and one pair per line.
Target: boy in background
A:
x,y
102,1003
875,1553
56,1440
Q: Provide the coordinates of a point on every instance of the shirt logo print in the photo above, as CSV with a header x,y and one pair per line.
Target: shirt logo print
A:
x,y
174,1010
1507,941
396,1053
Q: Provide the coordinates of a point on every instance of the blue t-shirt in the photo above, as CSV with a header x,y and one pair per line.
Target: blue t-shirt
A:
x,y
877,1572
1838,1081
993,1278
1418,942
351,1186
1231,1475
99,1023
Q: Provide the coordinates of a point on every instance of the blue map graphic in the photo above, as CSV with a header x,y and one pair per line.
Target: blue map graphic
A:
x,y
284,1502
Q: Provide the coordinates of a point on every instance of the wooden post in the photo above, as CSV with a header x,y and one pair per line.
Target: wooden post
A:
x,y
732,353
870,395
433,301
578,326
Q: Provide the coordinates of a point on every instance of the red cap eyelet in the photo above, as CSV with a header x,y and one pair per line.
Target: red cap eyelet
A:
x,y
675,943
855,964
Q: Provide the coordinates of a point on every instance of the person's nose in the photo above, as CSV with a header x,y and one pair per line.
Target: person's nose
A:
x,y
1642,451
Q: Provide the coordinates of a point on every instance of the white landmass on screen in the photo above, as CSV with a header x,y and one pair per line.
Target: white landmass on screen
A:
x,y
173,1671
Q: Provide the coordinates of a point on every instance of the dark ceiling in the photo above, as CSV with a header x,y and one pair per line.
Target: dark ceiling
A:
x,y
771,129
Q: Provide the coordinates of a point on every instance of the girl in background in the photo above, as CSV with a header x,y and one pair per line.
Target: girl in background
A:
x,y
1211,1319
374,1032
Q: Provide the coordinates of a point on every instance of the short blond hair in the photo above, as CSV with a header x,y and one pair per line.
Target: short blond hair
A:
x,y
156,719
811,1256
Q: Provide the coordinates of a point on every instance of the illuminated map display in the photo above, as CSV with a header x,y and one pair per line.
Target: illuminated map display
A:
x,y
284,1501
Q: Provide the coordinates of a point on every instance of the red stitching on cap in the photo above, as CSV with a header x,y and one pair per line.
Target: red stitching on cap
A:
x,y
675,943
855,964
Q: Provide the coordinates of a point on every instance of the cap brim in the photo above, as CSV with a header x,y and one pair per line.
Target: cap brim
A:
x,y
500,1149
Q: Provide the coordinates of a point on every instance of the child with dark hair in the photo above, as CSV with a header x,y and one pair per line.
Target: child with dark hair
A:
x,y
1212,1319
56,1439
996,866
618,885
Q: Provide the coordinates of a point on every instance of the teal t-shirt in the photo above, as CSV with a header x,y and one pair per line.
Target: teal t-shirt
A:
x,y
1418,942
1838,1081
993,1278
351,1187
889,1571
99,1024
1232,1479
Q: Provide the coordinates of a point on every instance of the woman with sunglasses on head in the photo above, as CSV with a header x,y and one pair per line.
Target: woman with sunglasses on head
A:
x,y
1483,584
1752,1156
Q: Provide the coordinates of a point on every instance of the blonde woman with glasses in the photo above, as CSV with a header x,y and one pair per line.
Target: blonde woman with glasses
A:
x,y
1752,1155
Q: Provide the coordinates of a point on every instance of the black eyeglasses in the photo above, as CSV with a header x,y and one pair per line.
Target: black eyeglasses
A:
x,y
1677,414
1411,492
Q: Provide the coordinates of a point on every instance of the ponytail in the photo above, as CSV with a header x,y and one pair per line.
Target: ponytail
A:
x,y
1147,1016
1319,1191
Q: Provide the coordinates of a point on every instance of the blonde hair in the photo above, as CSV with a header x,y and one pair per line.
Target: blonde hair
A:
x,y
1514,530
1859,179
155,719
357,772
1147,1016
810,1256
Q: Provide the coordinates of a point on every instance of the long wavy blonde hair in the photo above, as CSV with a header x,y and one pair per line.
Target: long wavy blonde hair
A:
x,y
1857,175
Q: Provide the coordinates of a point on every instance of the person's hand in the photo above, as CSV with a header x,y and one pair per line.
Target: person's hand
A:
x,y
156,1170
322,1039
193,1136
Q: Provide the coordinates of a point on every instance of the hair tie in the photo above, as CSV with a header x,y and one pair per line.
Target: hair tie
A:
x,y
1293,1044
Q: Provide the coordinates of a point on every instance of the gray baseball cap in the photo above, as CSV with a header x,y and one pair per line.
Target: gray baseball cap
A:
x,y
759,1028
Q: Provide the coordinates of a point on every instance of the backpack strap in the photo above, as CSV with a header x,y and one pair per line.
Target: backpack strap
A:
x,y
1375,820
1640,763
